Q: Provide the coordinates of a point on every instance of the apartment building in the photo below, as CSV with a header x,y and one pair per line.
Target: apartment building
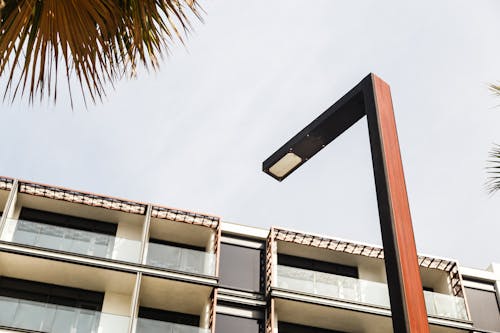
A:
x,y
79,262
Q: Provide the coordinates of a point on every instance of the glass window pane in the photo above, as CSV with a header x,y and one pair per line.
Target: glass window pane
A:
x,y
164,256
49,317
231,324
484,309
86,321
103,246
64,320
29,315
294,328
240,267
153,326
26,232
8,308
80,241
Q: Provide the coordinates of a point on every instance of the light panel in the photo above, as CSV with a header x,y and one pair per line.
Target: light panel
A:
x,y
285,165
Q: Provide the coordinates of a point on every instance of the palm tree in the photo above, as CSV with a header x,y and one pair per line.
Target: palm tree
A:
x,y
94,41
493,182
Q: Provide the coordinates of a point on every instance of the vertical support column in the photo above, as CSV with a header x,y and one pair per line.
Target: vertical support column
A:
x,y
460,291
206,314
272,318
403,274
218,236
213,311
271,261
7,211
134,308
495,268
145,235
271,325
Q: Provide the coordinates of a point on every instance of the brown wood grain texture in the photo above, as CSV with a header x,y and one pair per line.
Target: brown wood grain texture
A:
x,y
400,210
217,241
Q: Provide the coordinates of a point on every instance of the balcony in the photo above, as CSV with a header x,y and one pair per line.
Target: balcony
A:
x,y
180,259
331,285
447,306
71,240
362,291
45,317
156,326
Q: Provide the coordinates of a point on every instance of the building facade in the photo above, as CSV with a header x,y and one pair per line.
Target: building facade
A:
x,y
79,262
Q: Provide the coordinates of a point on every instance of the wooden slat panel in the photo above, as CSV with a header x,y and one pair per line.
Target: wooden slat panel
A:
x,y
399,210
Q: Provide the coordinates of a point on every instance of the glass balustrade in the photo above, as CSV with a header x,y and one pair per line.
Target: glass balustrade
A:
x,y
156,326
71,240
445,305
181,259
52,318
363,291
332,285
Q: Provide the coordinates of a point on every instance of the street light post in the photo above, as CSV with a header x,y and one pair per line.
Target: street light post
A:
x,y
371,97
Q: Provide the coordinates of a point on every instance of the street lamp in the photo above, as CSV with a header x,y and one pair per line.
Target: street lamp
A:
x,y
371,97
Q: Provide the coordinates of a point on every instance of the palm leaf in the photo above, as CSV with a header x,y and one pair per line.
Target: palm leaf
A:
x,y
493,182
95,41
495,89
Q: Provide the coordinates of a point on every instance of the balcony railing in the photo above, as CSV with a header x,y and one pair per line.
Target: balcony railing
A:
x,y
181,259
71,240
52,318
362,291
445,305
156,326
331,285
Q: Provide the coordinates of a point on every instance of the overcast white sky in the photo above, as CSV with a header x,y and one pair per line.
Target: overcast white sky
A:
x,y
194,135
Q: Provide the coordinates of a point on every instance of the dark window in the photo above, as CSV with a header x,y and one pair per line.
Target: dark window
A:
x,y
184,246
294,328
50,293
67,221
169,316
484,309
241,267
232,324
318,266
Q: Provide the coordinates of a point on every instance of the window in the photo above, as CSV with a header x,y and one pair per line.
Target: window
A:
x,y
179,245
318,266
230,324
294,328
45,307
233,318
64,233
484,308
50,293
67,221
181,257
154,316
241,266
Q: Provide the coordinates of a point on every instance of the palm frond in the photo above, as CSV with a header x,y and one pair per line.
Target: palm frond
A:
x,y
495,89
493,182
95,41
493,167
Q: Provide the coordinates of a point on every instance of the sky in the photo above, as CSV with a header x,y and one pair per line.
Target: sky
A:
x,y
194,135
